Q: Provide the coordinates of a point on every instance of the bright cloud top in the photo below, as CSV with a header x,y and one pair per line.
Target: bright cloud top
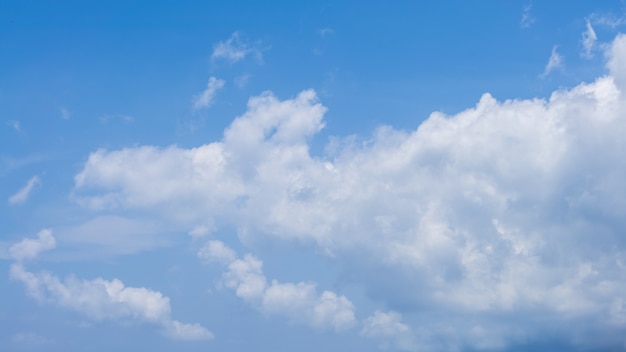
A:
x,y
507,217
98,299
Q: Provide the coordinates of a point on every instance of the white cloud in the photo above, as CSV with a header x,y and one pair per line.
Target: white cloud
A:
x,y
205,99
235,49
98,299
554,62
389,328
527,19
501,218
299,302
30,248
218,252
23,194
588,41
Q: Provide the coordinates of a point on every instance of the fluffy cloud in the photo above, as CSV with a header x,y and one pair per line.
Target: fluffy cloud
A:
x,y
299,302
205,99
98,299
506,218
30,248
23,194
235,49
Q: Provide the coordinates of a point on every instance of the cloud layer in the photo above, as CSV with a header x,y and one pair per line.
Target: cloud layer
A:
x,y
501,222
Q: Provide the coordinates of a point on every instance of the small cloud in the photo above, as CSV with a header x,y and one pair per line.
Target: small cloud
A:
x,y
589,40
205,99
325,31
29,248
22,195
15,124
242,81
65,114
554,62
607,20
527,19
31,340
126,119
235,49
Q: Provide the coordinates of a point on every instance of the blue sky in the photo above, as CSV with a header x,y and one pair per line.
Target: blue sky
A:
x,y
443,176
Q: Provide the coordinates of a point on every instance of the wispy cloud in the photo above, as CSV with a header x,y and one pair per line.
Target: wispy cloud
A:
x,y
236,48
527,19
23,194
554,62
588,41
121,117
15,124
65,114
205,99
325,31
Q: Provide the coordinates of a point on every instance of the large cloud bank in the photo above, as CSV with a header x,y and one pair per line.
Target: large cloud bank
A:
x,y
493,226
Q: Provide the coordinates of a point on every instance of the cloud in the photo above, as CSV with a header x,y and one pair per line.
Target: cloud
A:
x,y
205,99
30,248
235,49
588,41
98,299
65,114
21,196
15,124
389,328
299,302
502,222
554,62
527,20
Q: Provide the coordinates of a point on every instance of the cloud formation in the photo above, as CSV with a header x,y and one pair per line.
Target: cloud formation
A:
x,y
588,41
554,62
235,49
299,302
24,193
205,99
98,299
501,222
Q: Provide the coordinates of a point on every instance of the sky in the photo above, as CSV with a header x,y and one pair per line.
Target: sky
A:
x,y
319,176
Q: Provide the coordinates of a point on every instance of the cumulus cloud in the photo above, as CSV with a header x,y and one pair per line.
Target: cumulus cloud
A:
x,y
235,48
98,299
588,41
299,302
504,220
554,62
205,99
30,248
24,193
